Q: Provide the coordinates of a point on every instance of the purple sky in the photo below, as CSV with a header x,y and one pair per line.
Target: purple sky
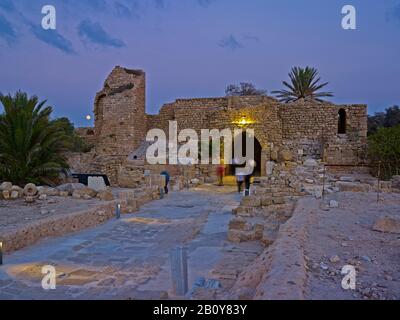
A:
x,y
195,48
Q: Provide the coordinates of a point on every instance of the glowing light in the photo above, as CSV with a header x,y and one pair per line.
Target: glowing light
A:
x,y
243,122
88,117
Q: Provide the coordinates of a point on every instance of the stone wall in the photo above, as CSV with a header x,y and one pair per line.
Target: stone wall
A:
x,y
120,119
286,132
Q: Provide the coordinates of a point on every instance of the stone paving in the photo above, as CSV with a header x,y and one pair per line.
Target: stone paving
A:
x,y
129,258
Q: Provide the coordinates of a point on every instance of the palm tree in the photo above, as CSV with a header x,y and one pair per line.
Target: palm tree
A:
x,y
31,145
304,85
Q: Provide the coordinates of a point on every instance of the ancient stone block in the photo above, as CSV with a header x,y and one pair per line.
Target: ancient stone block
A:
x,y
353,187
237,224
251,201
6,186
387,225
105,195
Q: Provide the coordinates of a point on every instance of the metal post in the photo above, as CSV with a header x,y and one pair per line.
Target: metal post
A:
x,y
379,182
118,211
323,183
179,271
1,253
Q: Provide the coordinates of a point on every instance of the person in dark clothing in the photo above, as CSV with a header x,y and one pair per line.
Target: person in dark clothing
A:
x,y
167,178
247,178
247,182
239,181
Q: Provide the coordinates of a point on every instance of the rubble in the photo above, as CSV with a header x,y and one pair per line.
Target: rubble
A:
x,y
387,225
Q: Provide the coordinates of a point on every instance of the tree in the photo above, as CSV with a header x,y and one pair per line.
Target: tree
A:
x,y
78,144
244,89
384,148
31,145
304,85
387,119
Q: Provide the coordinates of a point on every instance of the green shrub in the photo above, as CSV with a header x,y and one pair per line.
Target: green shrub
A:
x,y
384,148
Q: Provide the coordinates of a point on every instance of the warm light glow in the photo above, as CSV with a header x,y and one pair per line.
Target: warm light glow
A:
x,y
88,117
243,122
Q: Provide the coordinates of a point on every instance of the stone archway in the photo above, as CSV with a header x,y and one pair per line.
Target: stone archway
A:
x,y
257,156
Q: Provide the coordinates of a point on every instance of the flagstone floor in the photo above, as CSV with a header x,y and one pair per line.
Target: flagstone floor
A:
x,y
129,258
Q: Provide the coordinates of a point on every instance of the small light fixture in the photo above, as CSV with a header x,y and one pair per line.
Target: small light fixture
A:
x,y
1,253
243,122
88,117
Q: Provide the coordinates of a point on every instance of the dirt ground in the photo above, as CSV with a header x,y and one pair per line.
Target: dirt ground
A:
x,y
346,232
17,213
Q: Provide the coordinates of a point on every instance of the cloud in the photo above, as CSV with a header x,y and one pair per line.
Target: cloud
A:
x,y
160,4
205,3
7,5
7,31
230,43
94,33
122,10
53,38
393,13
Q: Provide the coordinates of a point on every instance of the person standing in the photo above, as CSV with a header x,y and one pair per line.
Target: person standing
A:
x,y
220,174
239,181
167,178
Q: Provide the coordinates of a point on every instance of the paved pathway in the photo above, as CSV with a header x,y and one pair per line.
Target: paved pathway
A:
x,y
128,258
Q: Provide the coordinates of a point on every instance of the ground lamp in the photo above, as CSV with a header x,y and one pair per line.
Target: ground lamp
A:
x,y
118,211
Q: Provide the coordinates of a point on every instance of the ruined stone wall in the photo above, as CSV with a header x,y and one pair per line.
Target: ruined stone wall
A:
x,y
286,132
120,118
311,129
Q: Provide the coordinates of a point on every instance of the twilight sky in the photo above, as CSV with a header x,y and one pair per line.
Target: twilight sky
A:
x,y
195,48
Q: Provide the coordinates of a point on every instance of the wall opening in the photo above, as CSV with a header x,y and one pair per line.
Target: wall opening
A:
x,y
342,121
257,156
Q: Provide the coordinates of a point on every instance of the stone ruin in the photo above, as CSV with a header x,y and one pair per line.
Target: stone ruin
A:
x,y
285,133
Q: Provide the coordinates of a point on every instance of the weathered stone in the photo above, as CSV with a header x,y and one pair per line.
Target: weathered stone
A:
x,y
347,179
30,190
286,155
279,200
268,237
353,187
48,191
241,236
311,163
29,199
238,224
19,190
266,201
6,186
387,225
71,187
14,194
97,183
270,165
85,193
335,259
6,194
63,193
395,182
333,204
105,195
43,197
